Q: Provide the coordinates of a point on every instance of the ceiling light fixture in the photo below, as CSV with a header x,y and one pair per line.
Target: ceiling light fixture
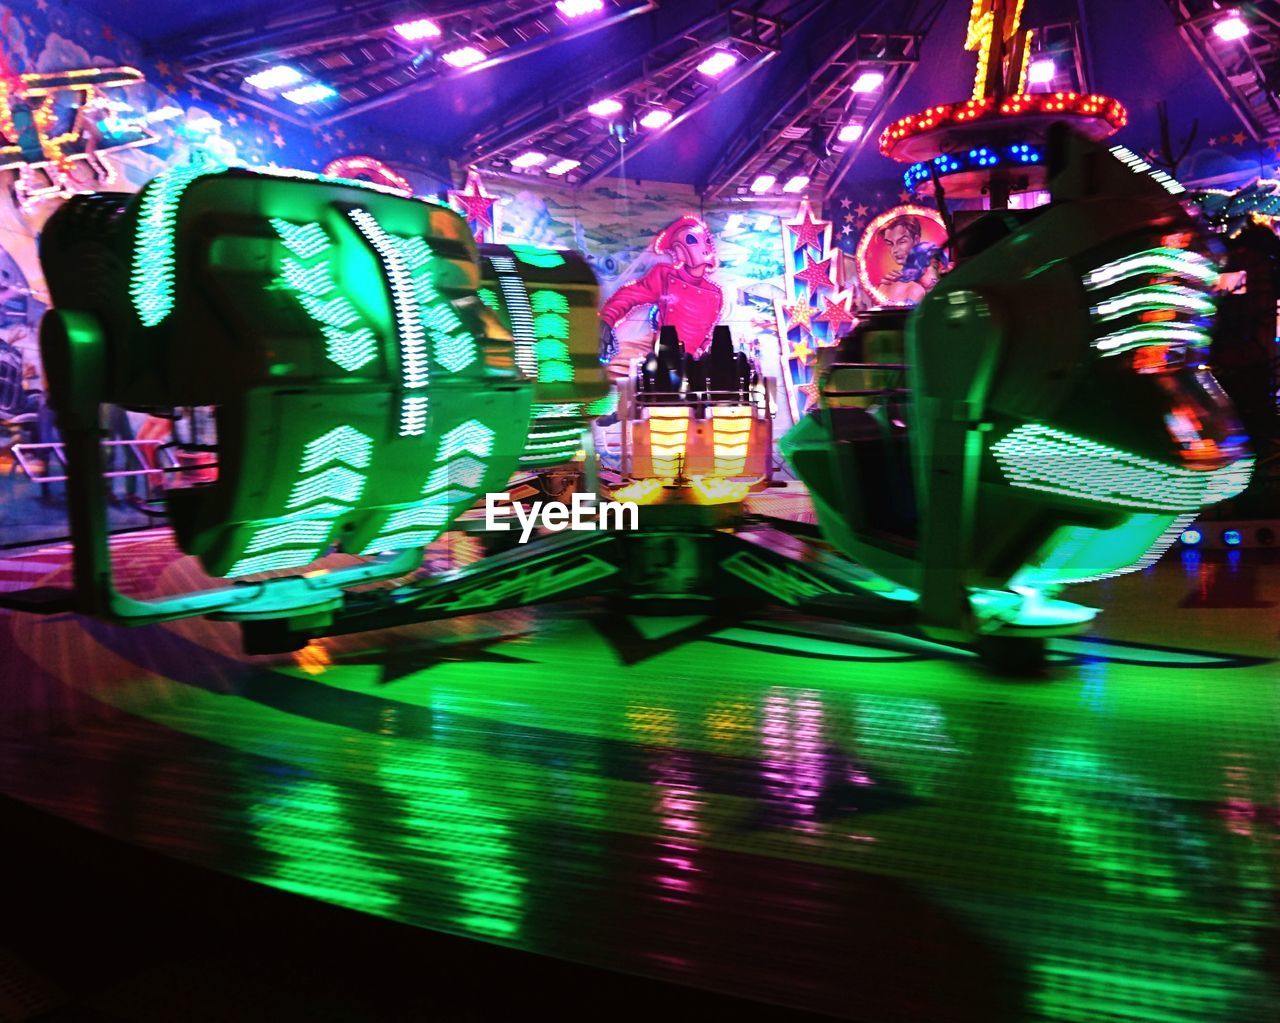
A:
x,y
718,63
869,81
313,93
464,56
417,30
530,159
274,77
604,107
656,118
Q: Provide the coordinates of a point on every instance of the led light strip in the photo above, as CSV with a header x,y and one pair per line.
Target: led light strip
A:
x,y
1152,334
519,311
1160,261
1158,297
1038,457
409,329
330,484
151,286
315,289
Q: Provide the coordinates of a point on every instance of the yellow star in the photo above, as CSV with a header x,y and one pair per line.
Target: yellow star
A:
x,y
801,314
801,352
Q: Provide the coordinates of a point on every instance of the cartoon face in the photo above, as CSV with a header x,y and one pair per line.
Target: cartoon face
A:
x,y
696,249
900,240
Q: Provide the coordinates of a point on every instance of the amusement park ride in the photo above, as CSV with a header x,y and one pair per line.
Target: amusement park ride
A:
x,y
375,373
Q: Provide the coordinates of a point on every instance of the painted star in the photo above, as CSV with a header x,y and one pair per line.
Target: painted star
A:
x,y
277,139
1238,138
846,202
835,313
809,232
801,352
905,196
810,391
846,229
862,210
341,133
801,314
475,203
817,275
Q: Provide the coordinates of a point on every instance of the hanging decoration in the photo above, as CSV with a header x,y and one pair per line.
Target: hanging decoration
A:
x,y
815,312
43,142
476,204
367,168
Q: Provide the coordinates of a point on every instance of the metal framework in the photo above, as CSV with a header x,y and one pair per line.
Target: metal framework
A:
x,y
351,46
1246,70
666,78
803,136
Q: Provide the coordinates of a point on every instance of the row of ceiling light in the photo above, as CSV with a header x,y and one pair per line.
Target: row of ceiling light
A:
x,y
866,82
713,65
298,88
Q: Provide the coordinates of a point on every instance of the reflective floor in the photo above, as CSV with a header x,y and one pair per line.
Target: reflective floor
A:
x,y
785,809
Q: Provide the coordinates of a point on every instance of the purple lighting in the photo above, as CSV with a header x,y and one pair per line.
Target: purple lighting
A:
x,y
604,107
869,81
1231,28
763,183
464,56
417,30
579,8
718,63
530,159
850,133
1042,71
655,119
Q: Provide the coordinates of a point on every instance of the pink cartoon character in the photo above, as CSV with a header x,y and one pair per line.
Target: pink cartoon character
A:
x,y
681,291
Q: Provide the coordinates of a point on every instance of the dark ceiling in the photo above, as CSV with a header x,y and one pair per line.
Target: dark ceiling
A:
x,y
1132,47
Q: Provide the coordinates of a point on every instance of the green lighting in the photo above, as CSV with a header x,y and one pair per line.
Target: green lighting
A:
x,y
472,436
549,302
409,330
1157,298
152,282
1165,262
337,483
1039,457
531,255
1152,334
306,241
341,444
316,291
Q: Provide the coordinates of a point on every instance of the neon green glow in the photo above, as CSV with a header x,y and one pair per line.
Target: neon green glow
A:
x,y
337,483
1159,261
409,329
314,280
472,436
306,241
304,532
151,285
316,291
490,298
531,255
1039,457
341,444
550,324
603,406
1152,334
549,302
551,350
1155,298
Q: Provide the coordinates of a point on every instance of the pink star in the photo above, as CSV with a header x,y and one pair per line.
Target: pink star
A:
x,y
475,203
817,275
808,231
835,313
